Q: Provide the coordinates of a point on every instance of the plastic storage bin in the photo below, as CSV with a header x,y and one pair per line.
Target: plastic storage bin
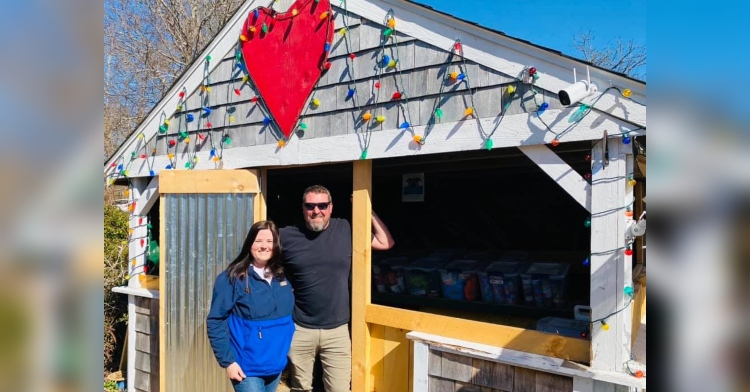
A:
x,y
501,282
388,275
460,280
423,277
544,284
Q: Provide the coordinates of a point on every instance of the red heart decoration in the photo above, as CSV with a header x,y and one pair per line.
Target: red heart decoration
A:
x,y
286,62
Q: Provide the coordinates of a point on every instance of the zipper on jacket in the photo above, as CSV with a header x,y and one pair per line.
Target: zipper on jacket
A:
x,y
260,333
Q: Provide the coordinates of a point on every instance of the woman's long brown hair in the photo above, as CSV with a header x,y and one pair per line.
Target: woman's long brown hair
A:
x,y
240,266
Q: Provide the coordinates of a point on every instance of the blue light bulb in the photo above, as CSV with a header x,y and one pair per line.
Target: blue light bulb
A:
x,y
168,167
626,139
266,120
119,167
190,117
542,108
327,46
206,110
386,60
213,152
405,125
350,93
151,173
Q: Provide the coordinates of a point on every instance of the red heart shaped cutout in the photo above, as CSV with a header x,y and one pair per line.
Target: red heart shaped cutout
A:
x,y
286,58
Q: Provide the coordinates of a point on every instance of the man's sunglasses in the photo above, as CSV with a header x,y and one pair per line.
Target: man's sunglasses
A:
x,y
321,206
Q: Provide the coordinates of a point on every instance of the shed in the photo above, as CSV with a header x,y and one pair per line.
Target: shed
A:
x,y
475,148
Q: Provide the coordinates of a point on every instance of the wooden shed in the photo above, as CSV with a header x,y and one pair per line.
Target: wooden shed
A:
x,y
509,169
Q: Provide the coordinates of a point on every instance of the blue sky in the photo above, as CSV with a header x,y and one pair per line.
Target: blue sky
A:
x,y
554,23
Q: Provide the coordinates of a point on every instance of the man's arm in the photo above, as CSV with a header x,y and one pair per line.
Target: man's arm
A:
x,y
381,237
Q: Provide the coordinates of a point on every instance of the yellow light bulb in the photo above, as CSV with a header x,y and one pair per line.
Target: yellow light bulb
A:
x,y
252,29
134,263
243,38
187,140
511,90
245,78
392,23
627,93
140,135
208,89
126,193
454,75
231,119
166,122
195,159
295,12
367,116
324,15
130,231
380,118
605,326
631,182
342,31
216,159
281,143
392,63
179,107
170,155
468,111
417,139
316,102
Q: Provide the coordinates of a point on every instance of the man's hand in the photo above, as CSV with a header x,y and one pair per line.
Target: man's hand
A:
x,y
235,373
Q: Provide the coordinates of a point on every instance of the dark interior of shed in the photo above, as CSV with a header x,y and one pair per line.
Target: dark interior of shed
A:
x,y
494,201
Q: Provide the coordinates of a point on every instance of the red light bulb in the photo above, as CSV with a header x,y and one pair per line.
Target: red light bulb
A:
x,y
200,135
113,165
352,56
639,374
587,176
142,241
457,46
237,91
143,156
172,143
588,158
377,84
628,252
254,99
532,71
140,221
327,65
208,124
397,95
182,94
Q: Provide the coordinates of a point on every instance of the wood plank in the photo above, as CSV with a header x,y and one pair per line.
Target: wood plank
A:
x,y
560,172
547,382
209,181
377,349
259,204
524,380
435,361
491,334
515,130
421,361
147,197
456,367
582,384
143,324
395,360
639,308
527,360
438,384
502,376
361,274
142,381
481,372
608,262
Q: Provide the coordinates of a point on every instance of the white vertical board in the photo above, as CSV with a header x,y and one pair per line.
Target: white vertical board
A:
x,y
130,382
607,269
140,231
420,368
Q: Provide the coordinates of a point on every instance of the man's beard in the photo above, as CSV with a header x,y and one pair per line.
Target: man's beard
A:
x,y
316,226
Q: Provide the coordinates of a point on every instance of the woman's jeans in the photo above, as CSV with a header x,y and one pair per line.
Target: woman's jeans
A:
x,y
258,384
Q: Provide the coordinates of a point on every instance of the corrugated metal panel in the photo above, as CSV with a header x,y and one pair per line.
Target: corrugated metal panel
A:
x,y
204,233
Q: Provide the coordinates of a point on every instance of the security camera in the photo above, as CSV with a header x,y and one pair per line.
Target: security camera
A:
x,y
577,91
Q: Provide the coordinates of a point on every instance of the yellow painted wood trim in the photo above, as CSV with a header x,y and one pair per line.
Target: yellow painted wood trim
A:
x,y
395,360
377,348
361,248
491,334
208,181
162,296
261,208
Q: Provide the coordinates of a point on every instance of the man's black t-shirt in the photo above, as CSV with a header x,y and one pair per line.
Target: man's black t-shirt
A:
x,y
319,265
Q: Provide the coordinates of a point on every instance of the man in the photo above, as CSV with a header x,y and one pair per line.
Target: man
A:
x,y
318,263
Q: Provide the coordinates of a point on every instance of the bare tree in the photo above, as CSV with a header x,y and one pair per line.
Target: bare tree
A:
x,y
627,57
147,44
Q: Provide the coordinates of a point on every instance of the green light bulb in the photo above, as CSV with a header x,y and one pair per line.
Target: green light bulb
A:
x,y
439,113
488,144
364,155
302,126
265,28
388,32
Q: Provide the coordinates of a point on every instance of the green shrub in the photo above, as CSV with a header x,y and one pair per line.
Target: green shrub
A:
x,y
115,274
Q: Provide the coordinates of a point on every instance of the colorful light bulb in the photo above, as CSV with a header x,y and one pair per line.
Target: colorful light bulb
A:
x,y
586,261
253,29
281,143
206,110
367,116
405,125
172,143
350,93
387,32
380,118
417,139
469,111
266,120
454,75
605,326
264,28
439,113
461,77
302,126
324,15
457,46
488,144
295,12
327,65
511,90
316,102
392,63
391,23
385,60
181,94
532,71
587,222
243,38
254,99
190,117
231,119
352,56
628,252
542,108
377,84
628,291
626,139
237,92
327,47
627,93
555,142
396,95
342,31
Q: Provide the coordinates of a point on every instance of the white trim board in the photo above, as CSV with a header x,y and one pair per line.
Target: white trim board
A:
x,y
479,45
484,47
560,172
514,130
523,359
138,292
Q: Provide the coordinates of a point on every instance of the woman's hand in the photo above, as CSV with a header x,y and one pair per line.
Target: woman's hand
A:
x,y
235,373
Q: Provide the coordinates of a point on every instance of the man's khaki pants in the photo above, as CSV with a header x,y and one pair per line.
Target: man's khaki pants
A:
x,y
335,349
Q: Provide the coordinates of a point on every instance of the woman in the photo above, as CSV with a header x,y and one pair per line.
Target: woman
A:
x,y
250,324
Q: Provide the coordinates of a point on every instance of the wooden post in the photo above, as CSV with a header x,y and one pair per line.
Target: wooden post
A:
x,y
361,275
137,256
261,208
610,268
